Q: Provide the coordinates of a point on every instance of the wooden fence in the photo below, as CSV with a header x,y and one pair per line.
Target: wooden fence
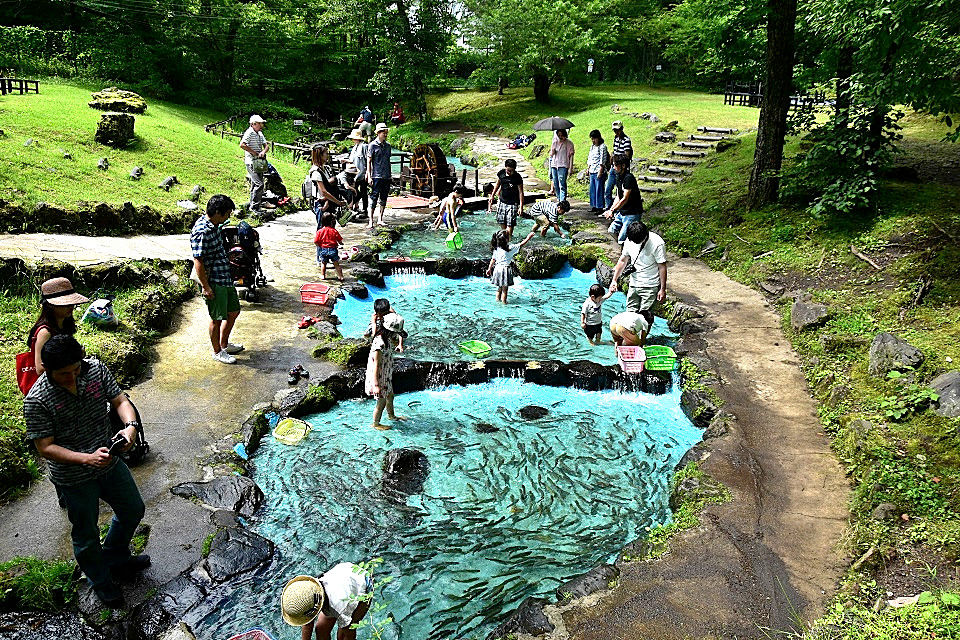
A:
x,y
18,85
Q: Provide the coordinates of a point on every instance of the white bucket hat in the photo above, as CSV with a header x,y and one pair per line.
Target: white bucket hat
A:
x,y
255,119
393,322
382,126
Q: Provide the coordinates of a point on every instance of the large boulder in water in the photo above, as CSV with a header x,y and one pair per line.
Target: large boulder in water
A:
x,y
539,262
528,618
236,551
533,412
236,493
405,471
368,275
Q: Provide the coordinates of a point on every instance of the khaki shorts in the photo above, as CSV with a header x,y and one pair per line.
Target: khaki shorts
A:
x,y
641,298
224,302
542,222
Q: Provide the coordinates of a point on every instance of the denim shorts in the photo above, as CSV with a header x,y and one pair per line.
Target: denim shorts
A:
x,y
328,254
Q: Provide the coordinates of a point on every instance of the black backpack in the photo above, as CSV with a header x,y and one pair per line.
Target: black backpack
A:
x,y
138,451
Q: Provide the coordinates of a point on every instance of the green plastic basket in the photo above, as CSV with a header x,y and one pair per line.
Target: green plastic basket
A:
x,y
660,358
477,348
419,253
455,241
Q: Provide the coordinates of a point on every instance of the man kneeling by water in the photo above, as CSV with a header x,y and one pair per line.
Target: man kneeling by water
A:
x,y
341,596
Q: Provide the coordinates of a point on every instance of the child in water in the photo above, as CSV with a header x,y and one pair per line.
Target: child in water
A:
x,y
500,270
381,307
328,241
379,381
591,316
450,209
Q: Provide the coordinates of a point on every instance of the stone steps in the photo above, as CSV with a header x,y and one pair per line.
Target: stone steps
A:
x,y
668,170
717,130
679,163
646,189
659,179
695,145
688,154
707,138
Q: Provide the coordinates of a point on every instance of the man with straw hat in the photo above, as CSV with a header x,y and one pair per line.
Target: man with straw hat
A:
x,y
340,597
378,172
358,157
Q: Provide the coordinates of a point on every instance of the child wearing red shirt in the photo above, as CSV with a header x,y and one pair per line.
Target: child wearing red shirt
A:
x,y
328,239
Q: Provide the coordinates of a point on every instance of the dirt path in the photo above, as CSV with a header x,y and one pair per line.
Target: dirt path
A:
x,y
769,556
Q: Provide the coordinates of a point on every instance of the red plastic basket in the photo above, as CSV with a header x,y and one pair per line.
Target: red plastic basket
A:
x,y
314,293
631,359
252,634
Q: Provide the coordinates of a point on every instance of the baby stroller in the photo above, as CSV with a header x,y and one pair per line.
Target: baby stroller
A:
x,y
242,244
276,191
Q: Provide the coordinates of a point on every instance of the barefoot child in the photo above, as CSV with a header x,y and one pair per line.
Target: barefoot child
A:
x,y
591,317
328,240
379,381
500,270
546,214
450,209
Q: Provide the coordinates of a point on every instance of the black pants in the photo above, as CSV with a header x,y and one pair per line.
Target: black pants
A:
x,y
362,192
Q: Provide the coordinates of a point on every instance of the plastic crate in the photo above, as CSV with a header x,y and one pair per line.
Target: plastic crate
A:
x,y
252,634
477,348
631,359
314,293
660,358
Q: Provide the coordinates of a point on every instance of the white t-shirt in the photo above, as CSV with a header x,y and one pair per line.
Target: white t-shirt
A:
x,y
343,584
654,253
255,140
591,311
503,257
632,321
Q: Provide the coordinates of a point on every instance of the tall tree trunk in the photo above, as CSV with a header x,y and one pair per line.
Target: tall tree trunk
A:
x,y
228,61
541,87
768,158
844,71
419,88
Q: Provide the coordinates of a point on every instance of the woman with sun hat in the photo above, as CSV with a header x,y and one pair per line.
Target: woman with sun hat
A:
x,y
339,597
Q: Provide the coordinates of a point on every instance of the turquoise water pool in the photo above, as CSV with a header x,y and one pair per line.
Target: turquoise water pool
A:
x,y
504,515
540,322
476,228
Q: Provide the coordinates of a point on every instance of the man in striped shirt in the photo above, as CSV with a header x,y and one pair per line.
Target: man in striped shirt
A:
x,y
622,146
254,145
67,413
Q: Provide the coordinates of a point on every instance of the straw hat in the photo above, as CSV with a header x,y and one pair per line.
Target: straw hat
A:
x,y
382,126
351,168
355,135
59,292
301,600
254,119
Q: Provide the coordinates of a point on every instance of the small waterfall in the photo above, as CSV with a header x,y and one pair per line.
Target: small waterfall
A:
x,y
506,369
401,269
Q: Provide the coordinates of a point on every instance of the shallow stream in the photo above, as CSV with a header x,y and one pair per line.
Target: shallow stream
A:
x,y
511,508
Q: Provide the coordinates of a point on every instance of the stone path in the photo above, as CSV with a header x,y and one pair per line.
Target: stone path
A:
x,y
189,401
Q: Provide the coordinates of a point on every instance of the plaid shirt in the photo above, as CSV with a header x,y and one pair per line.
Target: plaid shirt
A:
x,y
76,422
207,244
622,145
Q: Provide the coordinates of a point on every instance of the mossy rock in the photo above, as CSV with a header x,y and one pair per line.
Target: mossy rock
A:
x,y
114,99
539,262
583,257
346,352
318,398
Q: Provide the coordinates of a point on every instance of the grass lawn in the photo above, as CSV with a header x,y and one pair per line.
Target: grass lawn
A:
x,y
170,141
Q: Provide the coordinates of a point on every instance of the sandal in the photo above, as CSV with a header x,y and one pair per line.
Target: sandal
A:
x,y
305,322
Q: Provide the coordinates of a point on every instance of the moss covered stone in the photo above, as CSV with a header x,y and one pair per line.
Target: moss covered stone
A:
x,y
346,352
539,262
584,257
319,398
114,99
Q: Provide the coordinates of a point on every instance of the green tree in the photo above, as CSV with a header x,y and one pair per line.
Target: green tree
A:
x,y
538,39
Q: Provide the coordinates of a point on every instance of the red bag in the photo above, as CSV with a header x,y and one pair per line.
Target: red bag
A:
x,y
26,371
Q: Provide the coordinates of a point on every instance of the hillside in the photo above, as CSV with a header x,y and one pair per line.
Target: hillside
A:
x,y
170,141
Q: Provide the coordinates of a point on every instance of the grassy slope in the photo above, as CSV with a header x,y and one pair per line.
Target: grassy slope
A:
x,y
913,463
170,141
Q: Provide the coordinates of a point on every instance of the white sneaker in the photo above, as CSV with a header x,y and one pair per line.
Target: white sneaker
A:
x,y
224,357
233,348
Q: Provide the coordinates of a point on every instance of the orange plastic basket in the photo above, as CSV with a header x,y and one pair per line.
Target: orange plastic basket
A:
x,y
314,293
631,359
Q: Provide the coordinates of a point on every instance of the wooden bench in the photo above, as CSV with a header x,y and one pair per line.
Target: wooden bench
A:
x,y
18,85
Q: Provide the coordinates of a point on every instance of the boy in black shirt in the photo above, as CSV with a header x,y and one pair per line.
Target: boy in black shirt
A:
x,y
628,207
510,189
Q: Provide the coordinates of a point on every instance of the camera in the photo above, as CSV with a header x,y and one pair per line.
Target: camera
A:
x,y
117,445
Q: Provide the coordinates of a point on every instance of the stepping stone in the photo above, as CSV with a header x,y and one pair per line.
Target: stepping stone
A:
x,y
670,170
679,163
717,130
658,179
646,189
708,138
695,145
688,154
